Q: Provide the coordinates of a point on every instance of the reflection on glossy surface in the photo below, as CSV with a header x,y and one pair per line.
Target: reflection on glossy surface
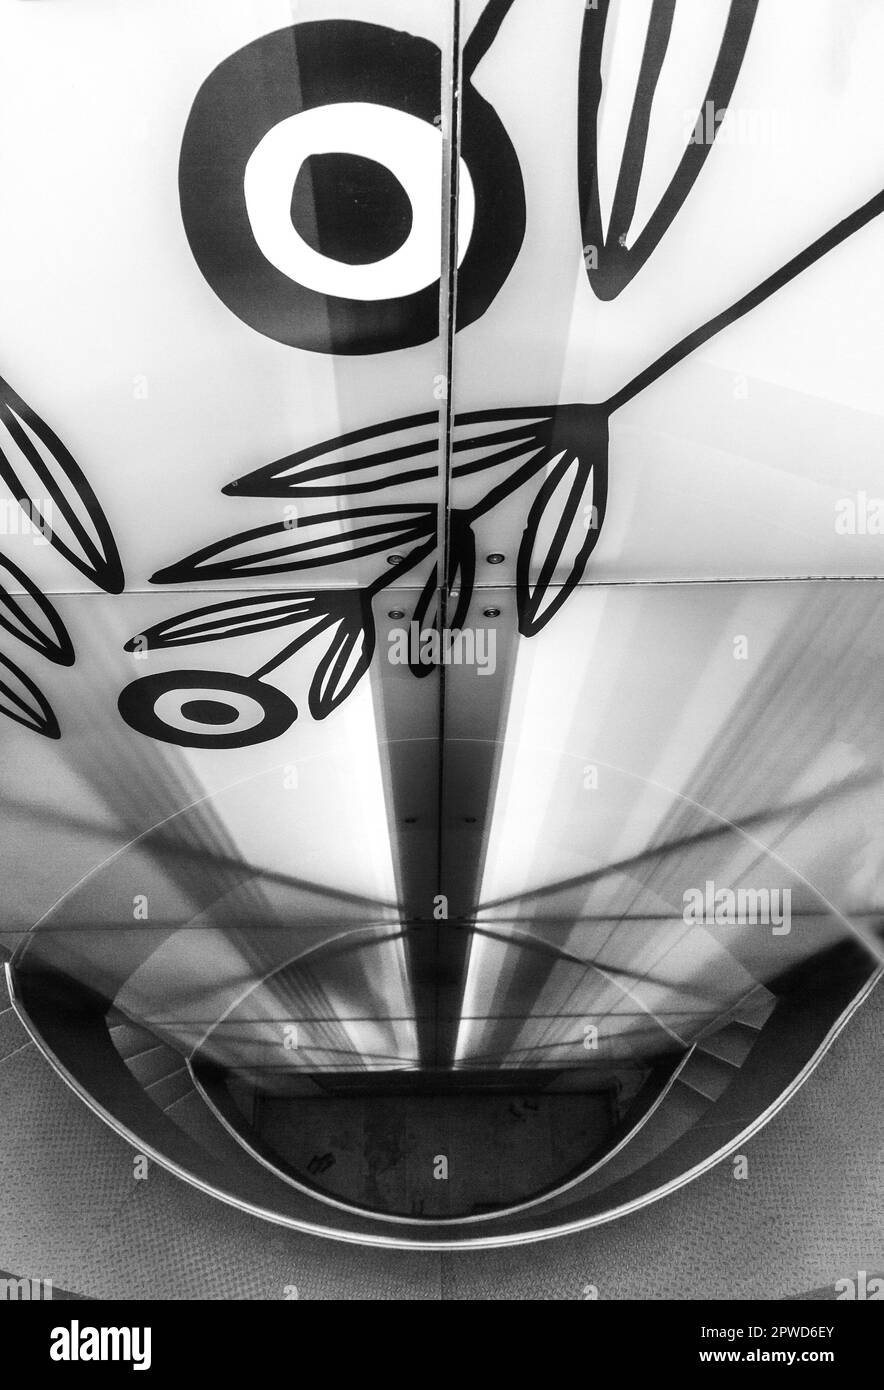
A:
x,y
573,961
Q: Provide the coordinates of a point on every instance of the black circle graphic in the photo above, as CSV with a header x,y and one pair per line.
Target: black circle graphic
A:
x,y
313,65
352,209
138,702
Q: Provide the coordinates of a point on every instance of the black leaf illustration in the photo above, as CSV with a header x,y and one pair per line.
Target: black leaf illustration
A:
x,y
477,448
426,618
280,548
316,472
343,467
53,491
346,660
49,637
461,579
574,511
461,566
613,263
21,700
239,618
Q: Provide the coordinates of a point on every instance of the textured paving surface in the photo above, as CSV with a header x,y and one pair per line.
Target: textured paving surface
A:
x,y
811,1211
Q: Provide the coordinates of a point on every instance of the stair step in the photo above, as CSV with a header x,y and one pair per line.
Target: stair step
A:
x,y
149,1059
130,1041
731,1044
756,1008
173,1106
191,1114
153,1065
706,1074
170,1088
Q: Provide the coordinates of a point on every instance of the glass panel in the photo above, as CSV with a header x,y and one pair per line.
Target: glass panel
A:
x,y
211,260
673,184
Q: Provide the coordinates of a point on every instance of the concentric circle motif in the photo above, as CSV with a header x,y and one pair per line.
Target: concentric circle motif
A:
x,y
205,709
310,182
